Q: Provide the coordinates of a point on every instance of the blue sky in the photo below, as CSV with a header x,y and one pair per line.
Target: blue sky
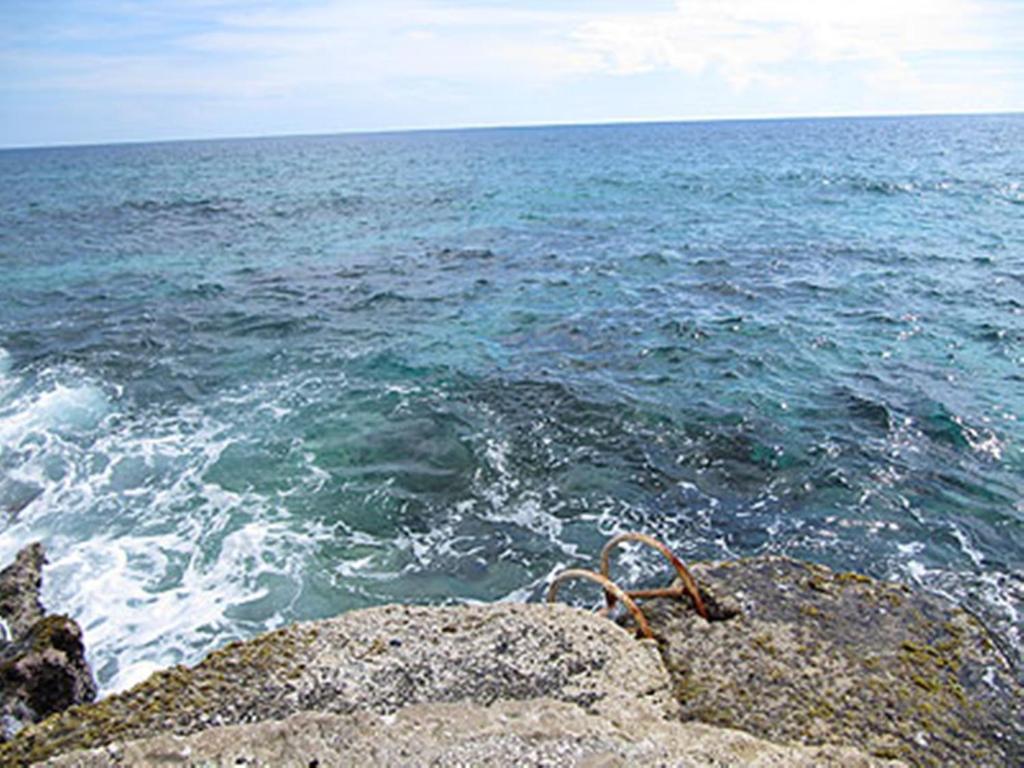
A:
x,y
74,71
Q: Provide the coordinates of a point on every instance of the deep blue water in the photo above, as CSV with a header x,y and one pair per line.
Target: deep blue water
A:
x,y
247,382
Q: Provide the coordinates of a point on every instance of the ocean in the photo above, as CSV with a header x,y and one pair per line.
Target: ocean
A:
x,y
248,382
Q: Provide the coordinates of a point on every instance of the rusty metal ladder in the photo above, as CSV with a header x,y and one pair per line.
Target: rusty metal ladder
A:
x,y
614,593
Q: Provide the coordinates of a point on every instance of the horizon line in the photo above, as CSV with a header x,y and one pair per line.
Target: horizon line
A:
x,y
610,122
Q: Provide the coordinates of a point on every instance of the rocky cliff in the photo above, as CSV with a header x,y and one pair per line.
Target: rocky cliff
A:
x,y
802,666
42,660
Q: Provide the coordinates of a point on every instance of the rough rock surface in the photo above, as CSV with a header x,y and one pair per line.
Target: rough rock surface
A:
x,y
20,583
817,656
42,660
378,660
522,733
806,655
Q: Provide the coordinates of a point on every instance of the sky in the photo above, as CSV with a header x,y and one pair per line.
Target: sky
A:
x,y
95,71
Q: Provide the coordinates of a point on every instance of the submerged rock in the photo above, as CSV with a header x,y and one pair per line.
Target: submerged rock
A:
x,y
42,659
816,656
465,254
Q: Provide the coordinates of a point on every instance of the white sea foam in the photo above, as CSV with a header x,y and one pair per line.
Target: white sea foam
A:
x,y
112,588
59,408
966,546
158,564
507,503
160,586
6,382
997,597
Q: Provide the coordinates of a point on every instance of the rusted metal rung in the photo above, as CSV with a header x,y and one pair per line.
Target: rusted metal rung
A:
x,y
689,584
610,588
613,592
663,592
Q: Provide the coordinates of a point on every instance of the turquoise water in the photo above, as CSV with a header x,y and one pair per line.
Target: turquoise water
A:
x,y
248,382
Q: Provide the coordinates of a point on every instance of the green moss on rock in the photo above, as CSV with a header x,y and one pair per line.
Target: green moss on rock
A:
x,y
840,657
176,699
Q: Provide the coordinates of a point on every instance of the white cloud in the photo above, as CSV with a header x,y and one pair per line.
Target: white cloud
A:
x,y
750,41
333,43
743,42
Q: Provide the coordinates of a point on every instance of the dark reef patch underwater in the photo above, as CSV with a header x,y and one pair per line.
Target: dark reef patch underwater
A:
x,y
248,382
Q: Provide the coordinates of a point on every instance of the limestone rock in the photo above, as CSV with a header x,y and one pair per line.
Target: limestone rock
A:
x,y
378,661
541,732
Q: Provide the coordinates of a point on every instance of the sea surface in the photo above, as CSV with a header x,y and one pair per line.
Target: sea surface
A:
x,y
249,382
